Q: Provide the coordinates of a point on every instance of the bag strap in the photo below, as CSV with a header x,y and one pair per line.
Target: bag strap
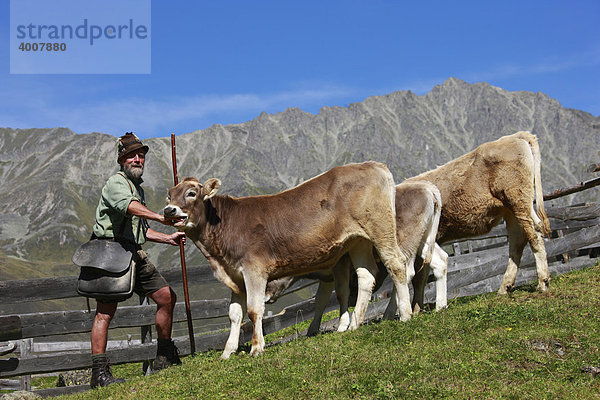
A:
x,y
142,220
137,235
126,180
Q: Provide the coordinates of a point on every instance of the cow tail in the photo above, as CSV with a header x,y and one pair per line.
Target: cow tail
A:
x,y
537,180
392,190
434,222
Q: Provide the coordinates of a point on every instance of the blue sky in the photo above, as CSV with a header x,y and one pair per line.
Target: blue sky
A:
x,y
227,61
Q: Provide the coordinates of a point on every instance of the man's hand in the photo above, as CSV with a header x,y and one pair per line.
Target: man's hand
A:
x,y
169,221
176,238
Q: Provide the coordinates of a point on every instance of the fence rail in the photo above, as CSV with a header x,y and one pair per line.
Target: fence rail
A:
x,y
475,267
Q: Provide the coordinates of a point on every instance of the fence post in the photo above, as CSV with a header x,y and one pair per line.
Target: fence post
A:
x,y
146,333
456,248
565,256
25,347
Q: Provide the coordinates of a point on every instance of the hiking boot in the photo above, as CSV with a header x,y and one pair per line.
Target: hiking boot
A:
x,y
167,355
101,375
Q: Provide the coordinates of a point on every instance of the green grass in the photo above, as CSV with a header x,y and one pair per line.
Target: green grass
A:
x,y
525,346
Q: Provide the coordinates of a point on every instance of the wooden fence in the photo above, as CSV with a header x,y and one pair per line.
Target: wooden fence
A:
x,y
475,266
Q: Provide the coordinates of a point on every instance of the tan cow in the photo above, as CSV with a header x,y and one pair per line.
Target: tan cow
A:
x,y
418,213
499,179
418,208
251,240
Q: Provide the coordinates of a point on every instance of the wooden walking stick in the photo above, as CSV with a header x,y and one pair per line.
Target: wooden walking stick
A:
x,y
188,310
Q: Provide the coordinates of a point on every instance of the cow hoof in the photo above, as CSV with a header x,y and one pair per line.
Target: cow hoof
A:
x,y
406,313
351,327
543,286
343,326
256,351
506,289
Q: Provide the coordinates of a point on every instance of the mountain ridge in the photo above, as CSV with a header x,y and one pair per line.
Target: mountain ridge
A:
x,y
51,178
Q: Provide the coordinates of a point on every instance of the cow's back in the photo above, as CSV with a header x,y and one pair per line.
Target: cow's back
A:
x,y
307,227
473,186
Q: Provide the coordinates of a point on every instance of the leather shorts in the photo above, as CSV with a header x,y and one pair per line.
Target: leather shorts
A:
x,y
147,278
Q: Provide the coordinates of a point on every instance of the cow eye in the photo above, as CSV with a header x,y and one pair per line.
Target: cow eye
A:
x,y
191,193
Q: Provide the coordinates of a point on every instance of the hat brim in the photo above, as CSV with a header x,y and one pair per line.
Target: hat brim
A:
x,y
134,147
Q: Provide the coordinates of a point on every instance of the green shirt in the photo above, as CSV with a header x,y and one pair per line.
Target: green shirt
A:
x,y
111,212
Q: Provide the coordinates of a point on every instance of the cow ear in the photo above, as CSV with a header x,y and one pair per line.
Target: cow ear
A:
x,y
210,188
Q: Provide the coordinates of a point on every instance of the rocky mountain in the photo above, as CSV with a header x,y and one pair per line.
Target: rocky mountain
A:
x,y
50,179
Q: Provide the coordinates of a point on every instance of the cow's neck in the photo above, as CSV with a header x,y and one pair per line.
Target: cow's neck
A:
x,y
217,264
200,244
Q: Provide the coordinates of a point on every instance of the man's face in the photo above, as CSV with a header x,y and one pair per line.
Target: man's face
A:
x,y
133,163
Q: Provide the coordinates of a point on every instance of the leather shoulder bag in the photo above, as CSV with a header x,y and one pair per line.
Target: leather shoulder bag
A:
x,y
107,268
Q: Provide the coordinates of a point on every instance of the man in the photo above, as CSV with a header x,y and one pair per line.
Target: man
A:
x,y
121,216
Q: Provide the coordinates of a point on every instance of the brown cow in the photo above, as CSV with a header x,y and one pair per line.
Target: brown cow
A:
x,y
251,240
499,179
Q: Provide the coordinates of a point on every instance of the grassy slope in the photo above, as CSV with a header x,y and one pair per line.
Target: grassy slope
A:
x,y
527,346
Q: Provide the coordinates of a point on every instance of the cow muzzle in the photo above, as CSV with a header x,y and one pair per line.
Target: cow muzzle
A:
x,y
175,214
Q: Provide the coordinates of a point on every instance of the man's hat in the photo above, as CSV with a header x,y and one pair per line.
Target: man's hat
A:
x,y
128,143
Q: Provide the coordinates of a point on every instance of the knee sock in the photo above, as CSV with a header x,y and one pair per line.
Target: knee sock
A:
x,y
98,359
164,345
